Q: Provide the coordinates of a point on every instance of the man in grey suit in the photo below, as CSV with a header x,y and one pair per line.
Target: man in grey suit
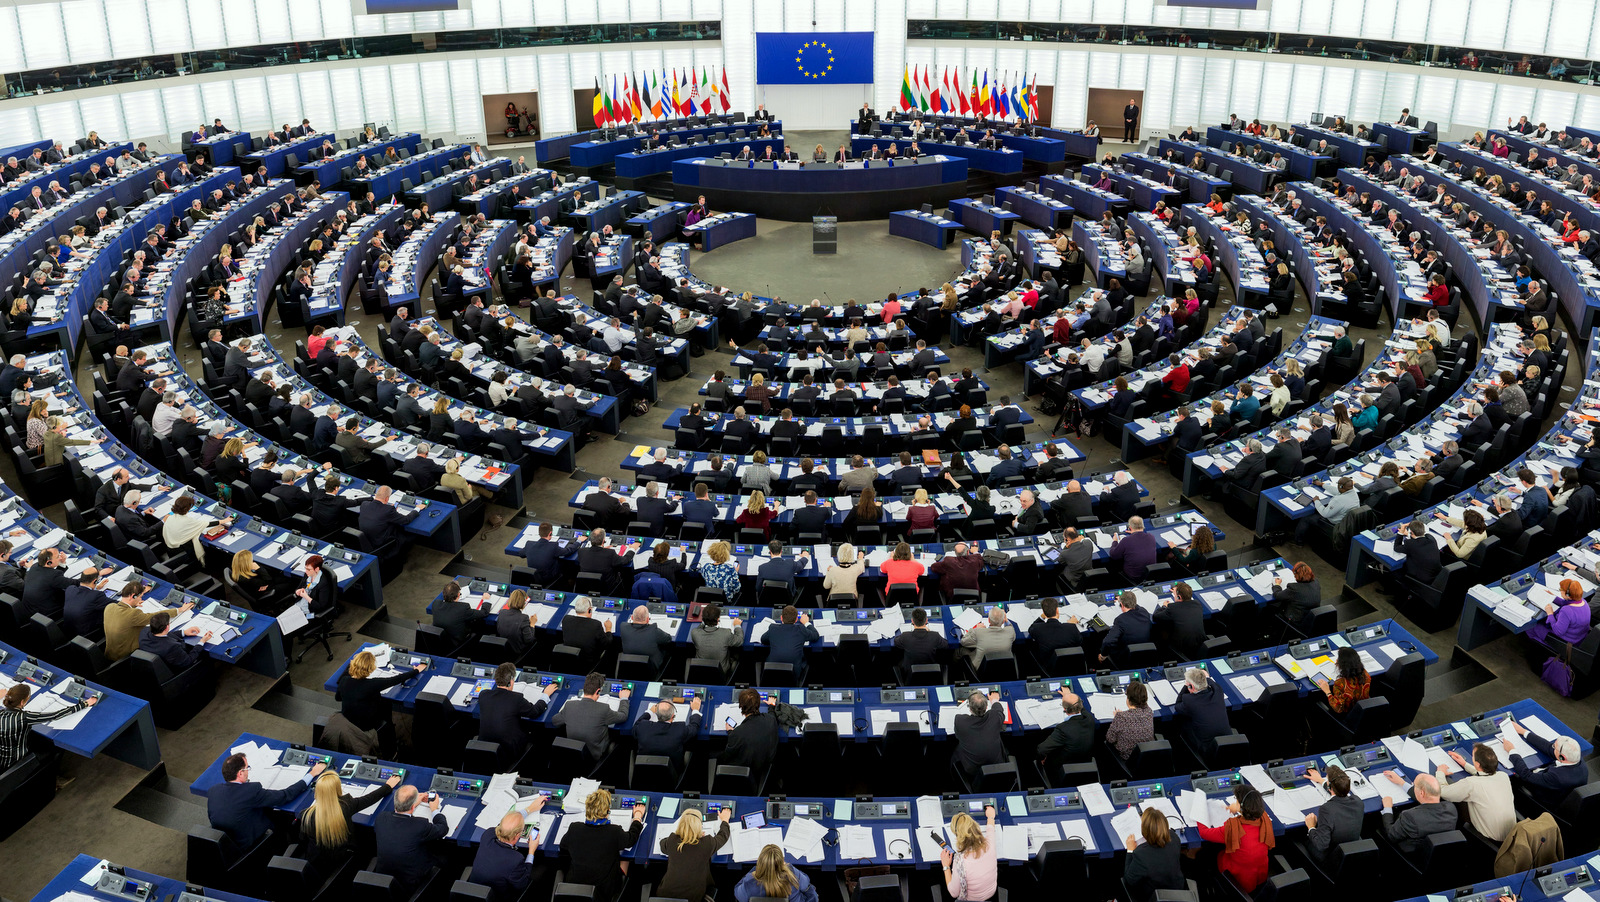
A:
x,y
1429,816
1338,820
588,719
861,475
997,636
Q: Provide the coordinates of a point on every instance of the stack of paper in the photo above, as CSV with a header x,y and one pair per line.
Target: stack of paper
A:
x,y
747,844
1199,809
803,841
578,794
856,843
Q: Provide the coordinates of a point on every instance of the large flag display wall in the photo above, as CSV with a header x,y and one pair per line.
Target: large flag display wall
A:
x,y
664,94
1003,95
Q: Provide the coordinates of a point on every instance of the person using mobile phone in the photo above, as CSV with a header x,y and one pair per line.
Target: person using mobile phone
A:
x,y
972,869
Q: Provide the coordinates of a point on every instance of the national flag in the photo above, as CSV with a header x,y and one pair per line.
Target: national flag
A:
x,y
907,98
1033,97
934,99
927,91
705,92
599,104
623,103
985,101
694,94
1016,104
963,106
611,103
974,103
633,98
951,89
727,92
655,97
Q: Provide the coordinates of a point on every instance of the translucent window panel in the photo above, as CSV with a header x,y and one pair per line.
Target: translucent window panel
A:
x,y
1077,11
349,102
1573,25
1013,10
611,11
1137,12
88,40
1511,101
1305,93
513,13
1284,15
1108,10
1214,102
1588,111
1449,30
1486,23
983,9
19,126
1157,107
1186,90
1246,83
522,73
437,115
951,9
1554,108
550,12
1410,19
465,97
182,107
1367,99
217,102
1436,98
169,31
1044,10
556,113
646,11
1071,94
1316,17
44,42
239,24
255,113
129,27
1531,26
416,22
1399,93
273,21
456,20
796,15
10,51
1474,103
1104,69
142,114
582,11
1345,17
920,9
206,28
492,75
406,90
711,9
316,101
1276,80
375,95
857,17
1336,84
283,93
61,121
1377,17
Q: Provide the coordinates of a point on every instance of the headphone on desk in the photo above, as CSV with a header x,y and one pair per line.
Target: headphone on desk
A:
x,y
890,852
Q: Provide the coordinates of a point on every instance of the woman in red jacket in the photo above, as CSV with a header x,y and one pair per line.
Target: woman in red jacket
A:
x,y
1438,295
1246,839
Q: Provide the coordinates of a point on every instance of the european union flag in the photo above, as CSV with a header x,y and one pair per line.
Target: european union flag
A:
x,y
814,57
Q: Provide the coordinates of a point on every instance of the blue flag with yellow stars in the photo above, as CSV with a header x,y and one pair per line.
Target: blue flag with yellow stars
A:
x,y
814,57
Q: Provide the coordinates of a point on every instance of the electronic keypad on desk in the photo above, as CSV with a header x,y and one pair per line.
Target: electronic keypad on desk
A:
x,y
626,803
31,672
869,810
400,659
780,809
709,809
1133,795
193,893
907,696
1488,895
449,786
1237,663
830,696
1559,883
1357,634
1440,738
1489,725
464,669
1218,783
1045,688
113,882
1115,682
76,691
1290,775
370,770
952,807
1063,800
299,756
1179,672
1361,759
1310,649
482,586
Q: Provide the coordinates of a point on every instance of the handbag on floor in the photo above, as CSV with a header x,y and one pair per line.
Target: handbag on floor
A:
x,y
1557,673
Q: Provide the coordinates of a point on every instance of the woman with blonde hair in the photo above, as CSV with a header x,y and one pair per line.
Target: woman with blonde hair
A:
x,y
360,694
972,870
842,575
230,463
264,589
594,844
758,393
756,514
515,625
455,482
38,424
325,824
689,850
718,573
922,514
772,878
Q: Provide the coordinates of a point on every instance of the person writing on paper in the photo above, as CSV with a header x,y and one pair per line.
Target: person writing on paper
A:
x,y
1338,820
1153,864
972,870
689,850
15,722
1296,602
1566,619
594,845
498,863
404,840
325,824
1428,817
1072,740
157,639
239,807
1246,839
1485,791
1353,684
1550,784
772,878
123,622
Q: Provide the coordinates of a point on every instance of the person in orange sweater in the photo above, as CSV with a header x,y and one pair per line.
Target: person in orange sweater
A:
x,y
1246,839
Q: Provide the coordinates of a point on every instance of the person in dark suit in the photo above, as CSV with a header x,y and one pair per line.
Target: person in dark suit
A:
x,y
779,568
598,557
1420,551
1244,473
458,618
1122,501
787,639
1184,621
1202,710
544,555
157,639
1187,432
1130,627
580,630
1338,820
1072,740
1548,785
379,522
641,637
610,508
499,864
403,840
239,807
977,731
753,743
659,733
502,710
1429,817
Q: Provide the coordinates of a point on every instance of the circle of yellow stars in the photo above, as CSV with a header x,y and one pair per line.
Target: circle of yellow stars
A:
x,y
821,72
